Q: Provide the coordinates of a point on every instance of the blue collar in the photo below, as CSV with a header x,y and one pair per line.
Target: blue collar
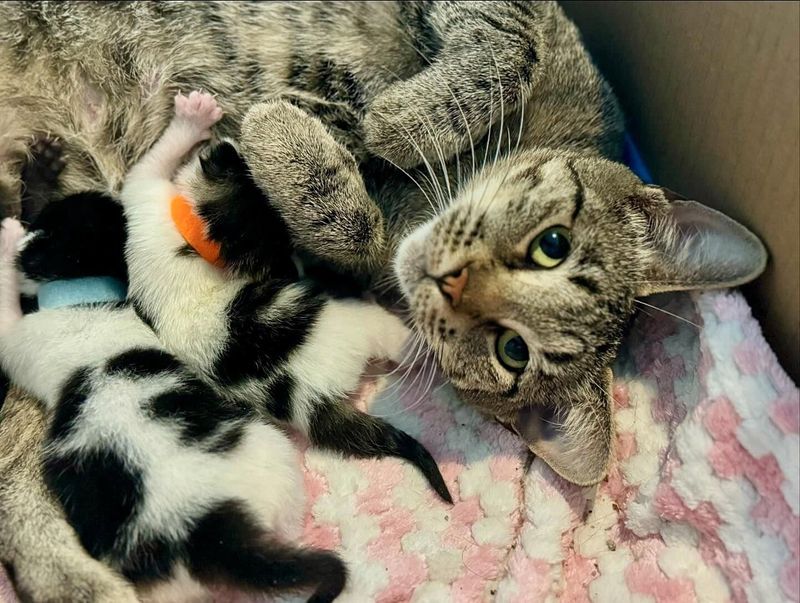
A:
x,y
80,291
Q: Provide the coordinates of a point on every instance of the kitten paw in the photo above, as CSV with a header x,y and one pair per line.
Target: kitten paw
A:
x,y
199,109
47,160
40,174
11,233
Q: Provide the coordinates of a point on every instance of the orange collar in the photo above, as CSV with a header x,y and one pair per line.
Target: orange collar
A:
x,y
193,230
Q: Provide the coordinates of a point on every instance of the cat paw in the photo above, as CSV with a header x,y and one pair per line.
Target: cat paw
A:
x,y
46,161
199,109
40,173
11,233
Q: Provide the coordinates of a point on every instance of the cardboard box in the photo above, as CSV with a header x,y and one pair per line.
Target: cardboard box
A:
x,y
711,91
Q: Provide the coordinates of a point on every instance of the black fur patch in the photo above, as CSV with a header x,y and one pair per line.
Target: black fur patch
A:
x,y
228,547
80,235
280,404
186,251
142,314
338,427
29,304
253,237
228,440
99,494
73,396
255,348
143,362
5,384
153,560
196,408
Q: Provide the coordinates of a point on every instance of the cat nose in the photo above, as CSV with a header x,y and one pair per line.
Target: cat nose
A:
x,y
452,285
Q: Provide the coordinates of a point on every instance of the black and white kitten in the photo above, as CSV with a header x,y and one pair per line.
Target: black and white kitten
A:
x,y
163,480
278,345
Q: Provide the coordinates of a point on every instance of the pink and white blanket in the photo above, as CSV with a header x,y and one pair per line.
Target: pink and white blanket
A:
x,y
701,504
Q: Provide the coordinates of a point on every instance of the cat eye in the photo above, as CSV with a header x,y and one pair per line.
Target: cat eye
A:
x,y
511,350
550,247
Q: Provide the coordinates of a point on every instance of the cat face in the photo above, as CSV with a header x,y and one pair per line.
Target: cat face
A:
x,y
524,285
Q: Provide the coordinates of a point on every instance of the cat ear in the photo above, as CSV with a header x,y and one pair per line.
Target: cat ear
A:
x,y
696,247
574,436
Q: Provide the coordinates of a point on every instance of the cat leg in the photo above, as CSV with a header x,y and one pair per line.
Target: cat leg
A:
x,y
194,116
47,560
315,184
11,233
346,335
148,190
337,426
487,66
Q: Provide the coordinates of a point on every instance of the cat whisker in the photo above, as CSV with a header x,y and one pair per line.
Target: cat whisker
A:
x,y
594,382
432,179
396,385
521,117
668,313
421,396
435,186
491,118
442,162
502,107
416,183
460,109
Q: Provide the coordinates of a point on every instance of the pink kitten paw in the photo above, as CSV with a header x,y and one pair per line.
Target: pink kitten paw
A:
x,y
199,109
11,233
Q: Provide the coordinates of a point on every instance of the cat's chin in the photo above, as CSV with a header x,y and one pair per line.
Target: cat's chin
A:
x,y
410,259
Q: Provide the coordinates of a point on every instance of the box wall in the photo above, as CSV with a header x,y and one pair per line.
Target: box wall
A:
x,y
711,91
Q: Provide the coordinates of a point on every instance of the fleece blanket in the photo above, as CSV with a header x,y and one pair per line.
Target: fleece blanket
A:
x,y
701,503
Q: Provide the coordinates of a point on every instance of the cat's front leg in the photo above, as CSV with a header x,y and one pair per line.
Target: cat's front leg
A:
x,y
487,66
194,116
315,184
11,233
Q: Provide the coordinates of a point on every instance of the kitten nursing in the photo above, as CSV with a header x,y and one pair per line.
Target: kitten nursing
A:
x,y
503,126
158,449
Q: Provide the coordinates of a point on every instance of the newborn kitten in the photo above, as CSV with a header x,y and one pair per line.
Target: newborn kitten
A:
x,y
276,345
161,479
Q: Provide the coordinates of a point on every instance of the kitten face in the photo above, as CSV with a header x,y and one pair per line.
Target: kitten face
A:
x,y
524,285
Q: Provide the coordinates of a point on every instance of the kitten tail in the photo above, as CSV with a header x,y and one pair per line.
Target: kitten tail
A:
x,y
228,547
341,428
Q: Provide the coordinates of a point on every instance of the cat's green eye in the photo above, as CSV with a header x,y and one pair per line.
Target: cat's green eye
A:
x,y
550,247
512,351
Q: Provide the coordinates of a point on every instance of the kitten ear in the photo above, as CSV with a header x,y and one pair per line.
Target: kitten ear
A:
x,y
574,437
696,247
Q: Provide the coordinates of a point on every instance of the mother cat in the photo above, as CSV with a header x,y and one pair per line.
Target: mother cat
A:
x,y
522,279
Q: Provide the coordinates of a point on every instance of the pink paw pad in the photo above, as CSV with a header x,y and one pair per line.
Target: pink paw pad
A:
x,y
199,108
11,233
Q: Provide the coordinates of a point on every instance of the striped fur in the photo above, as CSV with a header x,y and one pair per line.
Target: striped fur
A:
x,y
471,100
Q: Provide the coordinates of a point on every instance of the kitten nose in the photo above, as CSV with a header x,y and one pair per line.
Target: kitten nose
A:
x,y
452,285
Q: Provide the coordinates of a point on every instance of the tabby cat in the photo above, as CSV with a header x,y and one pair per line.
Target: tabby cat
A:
x,y
490,200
